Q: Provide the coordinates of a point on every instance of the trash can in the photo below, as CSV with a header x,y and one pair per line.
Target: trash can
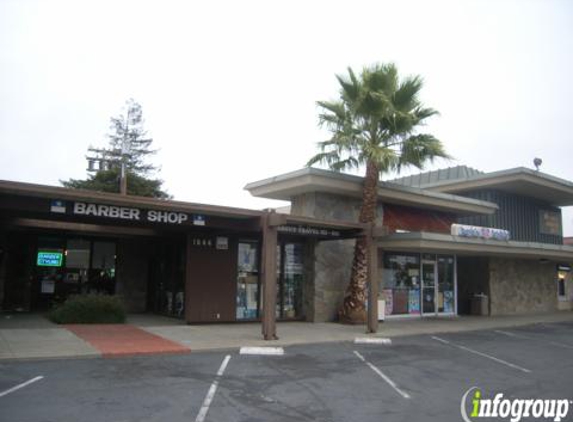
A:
x,y
480,305
381,309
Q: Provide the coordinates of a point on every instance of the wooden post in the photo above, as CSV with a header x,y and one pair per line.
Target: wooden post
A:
x,y
188,278
372,258
269,275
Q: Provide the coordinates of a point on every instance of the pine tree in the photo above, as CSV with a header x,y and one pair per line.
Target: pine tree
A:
x,y
124,159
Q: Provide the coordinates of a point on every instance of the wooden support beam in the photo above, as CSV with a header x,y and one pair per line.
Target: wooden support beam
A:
x,y
188,277
372,263
269,274
380,231
276,219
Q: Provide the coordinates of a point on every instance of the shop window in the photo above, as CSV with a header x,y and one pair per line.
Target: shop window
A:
x,y
49,272
77,254
414,284
401,284
103,256
102,273
248,281
77,261
446,302
290,276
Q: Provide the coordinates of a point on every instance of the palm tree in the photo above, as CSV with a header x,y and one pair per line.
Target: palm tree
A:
x,y
373,125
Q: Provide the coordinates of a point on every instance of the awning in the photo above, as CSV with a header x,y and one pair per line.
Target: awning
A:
x,y
448,244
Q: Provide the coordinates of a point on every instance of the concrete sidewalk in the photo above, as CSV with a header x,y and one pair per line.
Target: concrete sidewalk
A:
x,y
31,336
226,336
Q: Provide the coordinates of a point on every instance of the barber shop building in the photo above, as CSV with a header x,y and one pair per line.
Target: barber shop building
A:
x,y
447,242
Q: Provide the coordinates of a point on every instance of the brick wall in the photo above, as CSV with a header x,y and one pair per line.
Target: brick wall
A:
x,y
416,220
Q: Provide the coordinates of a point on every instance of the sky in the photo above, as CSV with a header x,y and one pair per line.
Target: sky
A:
x,y
229,88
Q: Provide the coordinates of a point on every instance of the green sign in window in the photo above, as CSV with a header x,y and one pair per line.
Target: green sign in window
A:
x,y
49,259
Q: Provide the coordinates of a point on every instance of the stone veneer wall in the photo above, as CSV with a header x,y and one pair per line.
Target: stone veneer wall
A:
x,y
132,273
521,286
329,273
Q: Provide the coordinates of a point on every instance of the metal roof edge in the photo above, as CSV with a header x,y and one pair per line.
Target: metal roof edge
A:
x,y
306,171
487,207
516,171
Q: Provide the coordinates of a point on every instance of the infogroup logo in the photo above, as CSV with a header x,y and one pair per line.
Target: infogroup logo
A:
x,y
512,409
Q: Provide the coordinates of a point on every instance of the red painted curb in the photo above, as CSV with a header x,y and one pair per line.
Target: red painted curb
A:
x,y
120,340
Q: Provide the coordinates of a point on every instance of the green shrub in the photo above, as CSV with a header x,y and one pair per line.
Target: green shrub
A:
x,y
89,309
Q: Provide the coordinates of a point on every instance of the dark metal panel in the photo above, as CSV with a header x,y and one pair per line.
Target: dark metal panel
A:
x,y
518,214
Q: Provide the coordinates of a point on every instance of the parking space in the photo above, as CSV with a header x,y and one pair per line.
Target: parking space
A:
x,y
168,388
326,382
322,383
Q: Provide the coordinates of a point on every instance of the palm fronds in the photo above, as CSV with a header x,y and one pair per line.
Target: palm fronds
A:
x,y
375,120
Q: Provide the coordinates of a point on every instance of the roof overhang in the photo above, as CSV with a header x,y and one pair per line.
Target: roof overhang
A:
x,y
57,192
444,243
520,181
311,227
310,180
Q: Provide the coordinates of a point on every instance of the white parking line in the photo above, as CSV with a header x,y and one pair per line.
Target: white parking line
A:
x,y
383,376
372,340
24,384
268,351
507,333
554,343
212,390
485,355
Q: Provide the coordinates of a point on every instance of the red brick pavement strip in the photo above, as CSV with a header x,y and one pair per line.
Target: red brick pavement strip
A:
x,y
116,340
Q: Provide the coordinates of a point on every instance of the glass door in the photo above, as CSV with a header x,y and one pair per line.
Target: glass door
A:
x,y
292,281
289,280
429,287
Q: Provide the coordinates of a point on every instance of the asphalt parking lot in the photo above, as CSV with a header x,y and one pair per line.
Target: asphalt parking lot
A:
x,y
421,377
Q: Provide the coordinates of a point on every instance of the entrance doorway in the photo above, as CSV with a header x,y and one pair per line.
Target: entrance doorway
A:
x,y
438,285
290,280
290,277
166,283
429,291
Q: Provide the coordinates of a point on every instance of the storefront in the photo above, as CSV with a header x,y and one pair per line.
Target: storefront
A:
x,y
205,263
512,277
415,284
197,262
68,265
290,280
456,238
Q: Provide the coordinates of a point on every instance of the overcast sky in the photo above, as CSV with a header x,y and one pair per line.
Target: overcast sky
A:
x,y
229,88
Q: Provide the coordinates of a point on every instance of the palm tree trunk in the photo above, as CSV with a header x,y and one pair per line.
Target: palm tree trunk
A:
x,y
353,309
